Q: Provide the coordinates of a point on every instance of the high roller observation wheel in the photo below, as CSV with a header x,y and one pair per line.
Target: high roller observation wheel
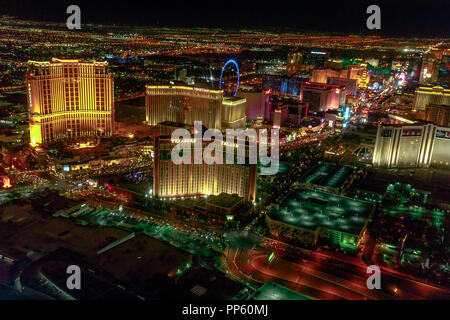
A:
x,y
238,77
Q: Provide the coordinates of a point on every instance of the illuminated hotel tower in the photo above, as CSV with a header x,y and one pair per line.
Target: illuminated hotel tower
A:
x,y
68,99
183,104
177,180
294,63
233,112
359,72
431,95
412,146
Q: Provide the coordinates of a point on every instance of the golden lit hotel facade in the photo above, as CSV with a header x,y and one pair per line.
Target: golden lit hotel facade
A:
x,y
69,99
425,96
405,146
359,72
233,112
184,104
186,180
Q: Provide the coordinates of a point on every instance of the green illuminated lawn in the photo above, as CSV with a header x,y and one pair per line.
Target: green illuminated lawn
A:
x,y
312,209
273,291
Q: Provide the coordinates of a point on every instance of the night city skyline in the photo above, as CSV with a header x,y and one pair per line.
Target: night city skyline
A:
x,y
400,18
222,158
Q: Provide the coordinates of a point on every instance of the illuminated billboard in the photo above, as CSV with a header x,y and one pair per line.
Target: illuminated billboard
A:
x,y
443,134
411,132
346,111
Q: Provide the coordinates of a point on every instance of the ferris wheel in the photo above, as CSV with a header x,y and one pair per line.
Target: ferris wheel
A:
x,y
237,70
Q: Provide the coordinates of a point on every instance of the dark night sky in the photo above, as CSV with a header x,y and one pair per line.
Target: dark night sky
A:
x,y
402,18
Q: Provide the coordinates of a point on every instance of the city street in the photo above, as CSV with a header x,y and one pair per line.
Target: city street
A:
x,y
322,276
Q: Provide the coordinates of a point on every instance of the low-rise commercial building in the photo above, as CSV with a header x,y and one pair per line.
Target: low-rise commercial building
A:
x,y
311,215
215,209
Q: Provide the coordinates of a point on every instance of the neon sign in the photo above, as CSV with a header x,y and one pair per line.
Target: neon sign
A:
x,y
6,183
237,70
